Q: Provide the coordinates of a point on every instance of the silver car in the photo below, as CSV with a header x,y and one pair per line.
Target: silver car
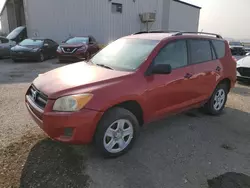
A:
x,y
5,46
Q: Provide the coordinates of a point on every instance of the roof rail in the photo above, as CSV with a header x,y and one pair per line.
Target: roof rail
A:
x,y
155,31
202,33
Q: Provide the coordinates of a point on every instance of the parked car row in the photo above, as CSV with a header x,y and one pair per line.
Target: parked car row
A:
x,y
17,46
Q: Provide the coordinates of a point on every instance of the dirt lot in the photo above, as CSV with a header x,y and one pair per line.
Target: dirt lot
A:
x,y
185,150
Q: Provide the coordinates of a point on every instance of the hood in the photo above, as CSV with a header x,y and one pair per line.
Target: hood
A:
x,y
244,62
16,32
72,45
23,48
70,78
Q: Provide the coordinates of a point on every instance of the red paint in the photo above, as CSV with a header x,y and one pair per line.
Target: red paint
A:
x,y
158,95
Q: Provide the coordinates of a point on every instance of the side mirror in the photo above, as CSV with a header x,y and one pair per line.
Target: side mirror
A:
x,y
161,69
46,45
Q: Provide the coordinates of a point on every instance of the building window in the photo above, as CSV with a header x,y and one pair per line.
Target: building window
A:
x,y
116,8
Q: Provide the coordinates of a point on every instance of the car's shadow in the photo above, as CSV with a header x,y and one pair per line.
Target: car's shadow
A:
x,y
181,151
53,164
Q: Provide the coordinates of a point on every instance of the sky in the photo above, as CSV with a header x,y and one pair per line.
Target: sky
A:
x,y
230,18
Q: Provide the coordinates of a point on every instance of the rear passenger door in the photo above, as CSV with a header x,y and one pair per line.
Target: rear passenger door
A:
x,y
206,68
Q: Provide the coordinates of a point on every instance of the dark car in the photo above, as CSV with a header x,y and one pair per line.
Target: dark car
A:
x,y
237,48
77,48
34,49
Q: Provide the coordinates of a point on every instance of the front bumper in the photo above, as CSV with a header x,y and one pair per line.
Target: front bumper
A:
x,y
24,55
83,123
242,78
72,57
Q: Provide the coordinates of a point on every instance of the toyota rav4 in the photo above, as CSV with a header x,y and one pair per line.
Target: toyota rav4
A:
x,y
135,80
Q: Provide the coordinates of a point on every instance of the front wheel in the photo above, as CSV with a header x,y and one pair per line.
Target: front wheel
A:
x,y
116,132
217,102
41,57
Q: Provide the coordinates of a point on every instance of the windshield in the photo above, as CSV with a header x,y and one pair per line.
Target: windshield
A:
x,y
78,40
235,43
15,32
31,42
125,54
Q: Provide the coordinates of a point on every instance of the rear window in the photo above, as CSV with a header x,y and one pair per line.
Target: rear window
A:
x,y
200,51
219,48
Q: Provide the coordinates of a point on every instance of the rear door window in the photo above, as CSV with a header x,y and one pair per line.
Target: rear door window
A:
x,y
200,51
174,54
220,48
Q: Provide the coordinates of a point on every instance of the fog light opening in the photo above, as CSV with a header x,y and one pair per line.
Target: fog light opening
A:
x,y
68,132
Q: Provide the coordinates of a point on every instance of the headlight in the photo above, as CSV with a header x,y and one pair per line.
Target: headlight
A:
x,y
83,48
72,103
35,49
59,49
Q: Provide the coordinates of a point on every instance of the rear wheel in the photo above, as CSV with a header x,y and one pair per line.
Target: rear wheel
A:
x,y
116,132
217,102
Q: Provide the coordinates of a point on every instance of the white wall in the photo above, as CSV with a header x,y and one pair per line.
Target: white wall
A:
x,y
183,17
4,22
57,19
165,14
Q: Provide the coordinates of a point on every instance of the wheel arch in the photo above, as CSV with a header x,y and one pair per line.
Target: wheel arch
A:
x,y
134,107
227,82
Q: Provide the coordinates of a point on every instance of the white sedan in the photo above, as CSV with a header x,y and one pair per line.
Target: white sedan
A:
x,y
5,46
243,69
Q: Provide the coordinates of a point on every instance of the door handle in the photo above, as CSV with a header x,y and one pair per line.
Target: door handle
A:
x,y
188,75
218,69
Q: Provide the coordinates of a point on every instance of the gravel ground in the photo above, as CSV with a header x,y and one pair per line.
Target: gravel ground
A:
x,y
184,150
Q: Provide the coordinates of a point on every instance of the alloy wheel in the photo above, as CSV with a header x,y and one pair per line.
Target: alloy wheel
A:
x,y
219,99
118,136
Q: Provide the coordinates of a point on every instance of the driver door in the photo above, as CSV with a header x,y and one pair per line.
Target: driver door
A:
x,y
170,93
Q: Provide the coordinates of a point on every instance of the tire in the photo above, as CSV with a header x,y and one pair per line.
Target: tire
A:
x,y
109,139
215,106
87,56
41,57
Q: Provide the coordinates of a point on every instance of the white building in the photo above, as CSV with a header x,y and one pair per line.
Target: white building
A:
x,y
106,20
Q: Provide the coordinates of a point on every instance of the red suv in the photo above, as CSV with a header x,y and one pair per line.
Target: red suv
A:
x,y
134,80
77,48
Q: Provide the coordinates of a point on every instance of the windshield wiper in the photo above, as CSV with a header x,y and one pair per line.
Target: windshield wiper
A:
x,y
104,66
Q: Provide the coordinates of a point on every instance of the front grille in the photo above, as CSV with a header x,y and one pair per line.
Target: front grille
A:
x,y
244,71
37,97
69,49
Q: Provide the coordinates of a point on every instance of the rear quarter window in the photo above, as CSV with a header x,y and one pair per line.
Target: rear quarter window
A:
x,y
220,48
